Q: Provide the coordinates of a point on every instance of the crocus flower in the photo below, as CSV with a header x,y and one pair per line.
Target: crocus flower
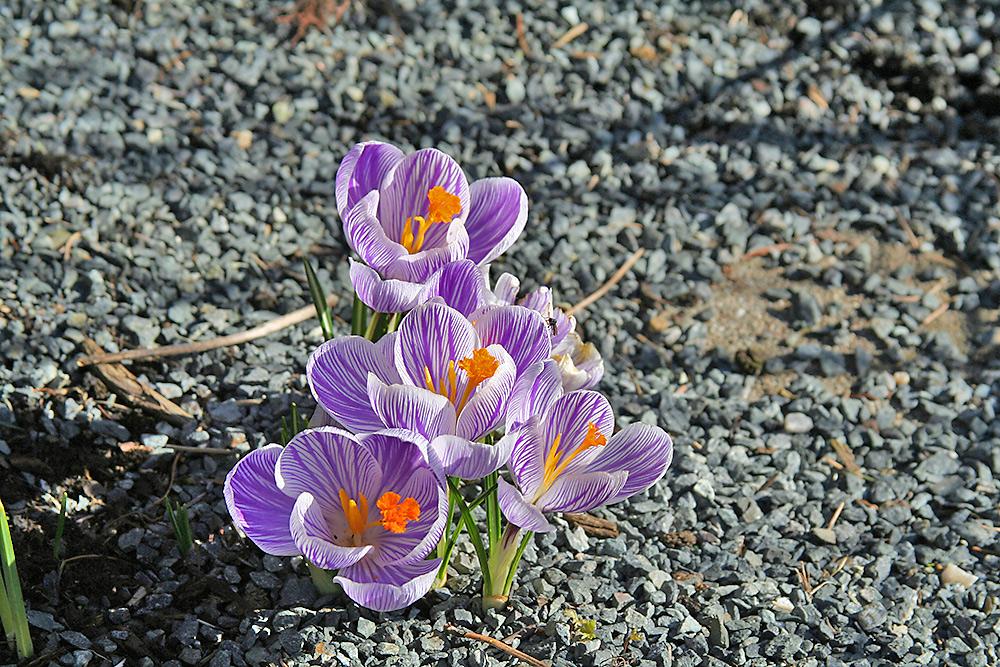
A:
x,y
439,375
371,507
406,216
564,457
580,364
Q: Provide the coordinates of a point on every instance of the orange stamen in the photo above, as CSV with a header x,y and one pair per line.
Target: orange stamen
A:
x,y
395,514
442,207
480,366
594,438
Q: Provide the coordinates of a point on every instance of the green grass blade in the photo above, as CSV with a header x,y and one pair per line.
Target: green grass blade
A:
x,y
12,584
474,536
59,527
181,525
516,562
319,300
359,317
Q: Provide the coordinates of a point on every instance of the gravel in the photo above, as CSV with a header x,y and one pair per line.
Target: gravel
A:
x,y
816,189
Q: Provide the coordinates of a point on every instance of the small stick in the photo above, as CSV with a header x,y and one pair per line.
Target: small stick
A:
x,y
570,35
836,515
936,313
606,287
522,42
213,451
914,241
277,324
757,252
767,485
535,662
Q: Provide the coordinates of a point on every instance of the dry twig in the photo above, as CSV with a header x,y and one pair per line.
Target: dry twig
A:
x,y
534,662
606,287
277,324
593,525
133,390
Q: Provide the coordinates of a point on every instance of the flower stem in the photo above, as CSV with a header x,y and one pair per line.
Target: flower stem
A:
x,y
504,558
322,580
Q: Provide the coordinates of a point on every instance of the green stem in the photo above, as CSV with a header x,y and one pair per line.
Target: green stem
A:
x,y
502,562
13,598
474,536
376,324
322,579
359,317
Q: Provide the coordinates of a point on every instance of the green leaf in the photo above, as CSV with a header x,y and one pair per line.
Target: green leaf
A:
x,y
59,528
474,536
319,300
359,317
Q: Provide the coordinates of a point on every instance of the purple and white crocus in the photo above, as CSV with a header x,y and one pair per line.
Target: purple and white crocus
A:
x,y
371,507
406,216
580,364
565,458
440,375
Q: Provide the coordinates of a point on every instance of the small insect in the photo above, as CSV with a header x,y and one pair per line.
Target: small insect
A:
x,y
553,325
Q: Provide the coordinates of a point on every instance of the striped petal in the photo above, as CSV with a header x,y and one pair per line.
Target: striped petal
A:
x,y
429,337
644,451
534,391
383,296
338,376
366,237
388,588
324,461
362,170
404,193
581,493
488,405
523,333
466,459
411,408
519,511
315,539
258,507
499,210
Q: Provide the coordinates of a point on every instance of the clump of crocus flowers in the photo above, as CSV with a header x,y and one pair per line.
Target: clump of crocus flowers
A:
x,y
448,384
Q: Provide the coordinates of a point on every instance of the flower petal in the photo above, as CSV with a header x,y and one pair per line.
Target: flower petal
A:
x,y
366,237
420,536
518,511
399,452
644,451
257,505
383,296
499,210
535,390
362,170
430,336
420,266
581,493
413,408
388,588
465,459
522,333
338,376
505,290
488,404
460,284
570,417
321,462
527,457
404,191
313,537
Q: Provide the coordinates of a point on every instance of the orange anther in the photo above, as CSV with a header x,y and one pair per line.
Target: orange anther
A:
x,y
395,514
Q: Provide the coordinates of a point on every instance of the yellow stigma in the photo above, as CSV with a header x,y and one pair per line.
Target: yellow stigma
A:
x,y
553,467
478,367
395,514
442,206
